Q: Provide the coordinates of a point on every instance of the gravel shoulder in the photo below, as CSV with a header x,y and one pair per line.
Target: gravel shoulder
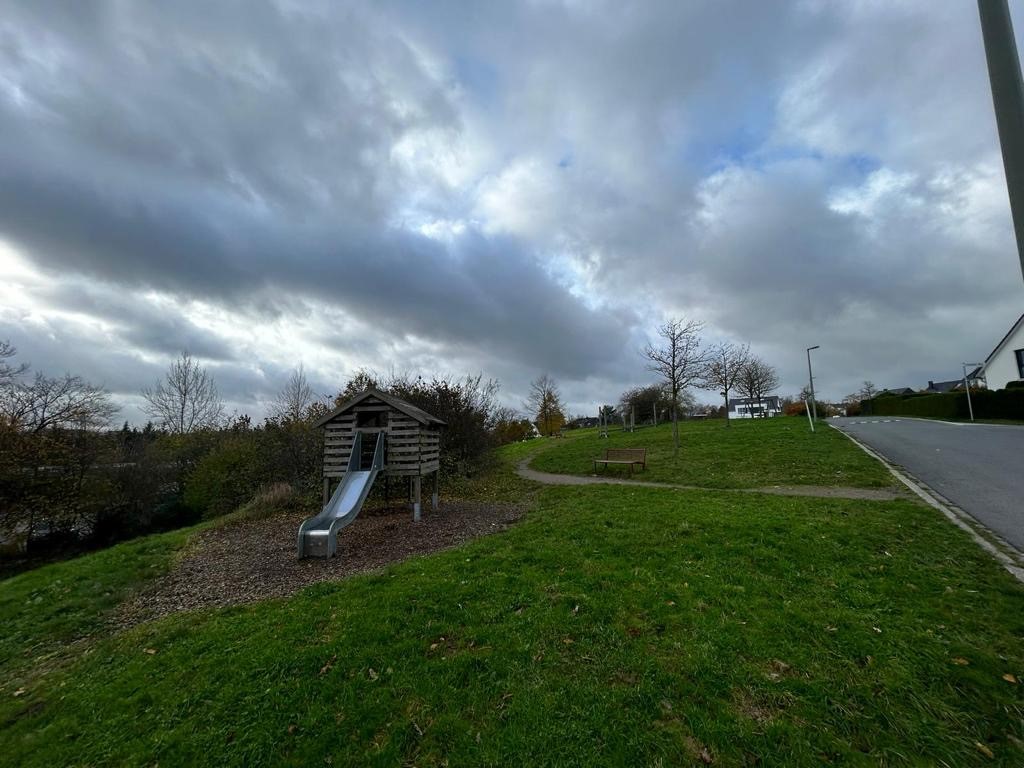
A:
x,y
251,560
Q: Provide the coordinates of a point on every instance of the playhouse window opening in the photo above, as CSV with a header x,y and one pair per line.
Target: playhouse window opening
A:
x,y
370,419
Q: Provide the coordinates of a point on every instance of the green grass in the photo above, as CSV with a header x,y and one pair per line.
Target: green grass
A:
x,y
44,610
57,611
615,626
747,454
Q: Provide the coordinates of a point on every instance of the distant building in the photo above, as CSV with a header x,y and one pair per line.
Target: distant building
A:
x,y
580,422
1006,362
748,407
896,391
938,387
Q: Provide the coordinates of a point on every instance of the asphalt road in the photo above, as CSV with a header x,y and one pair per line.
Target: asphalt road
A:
x,y
978,467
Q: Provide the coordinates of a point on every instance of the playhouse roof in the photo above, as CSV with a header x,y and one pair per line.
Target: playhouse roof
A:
x,y
397,403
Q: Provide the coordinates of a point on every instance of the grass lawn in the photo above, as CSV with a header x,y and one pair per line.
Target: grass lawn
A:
x,y
747,454
42,611
616,626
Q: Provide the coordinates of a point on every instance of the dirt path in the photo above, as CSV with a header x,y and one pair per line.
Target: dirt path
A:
x,y
252,560
821,491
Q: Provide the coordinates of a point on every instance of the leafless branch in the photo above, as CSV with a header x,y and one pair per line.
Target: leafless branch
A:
x,y
187,399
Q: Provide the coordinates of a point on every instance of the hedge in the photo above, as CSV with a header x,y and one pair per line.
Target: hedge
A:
x,y
987,403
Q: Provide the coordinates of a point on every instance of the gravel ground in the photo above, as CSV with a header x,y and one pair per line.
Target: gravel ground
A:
x,y
254,560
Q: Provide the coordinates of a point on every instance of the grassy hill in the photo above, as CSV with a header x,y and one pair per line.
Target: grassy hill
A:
x,y
616,625
747,454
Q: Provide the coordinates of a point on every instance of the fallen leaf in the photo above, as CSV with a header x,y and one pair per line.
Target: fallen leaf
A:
x,y
20,692
327,667
293,728
1010,678
372,673
433,646
984,750
568,641
670,603
960,661
150,651
877,630
705,756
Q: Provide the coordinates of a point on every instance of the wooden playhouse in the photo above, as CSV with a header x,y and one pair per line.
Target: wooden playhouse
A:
x,y
411,437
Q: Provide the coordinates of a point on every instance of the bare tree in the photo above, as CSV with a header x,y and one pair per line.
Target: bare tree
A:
x,y
757,380
679,361
868,390
545,402
725,365
65,401
293,401
187,399
9,373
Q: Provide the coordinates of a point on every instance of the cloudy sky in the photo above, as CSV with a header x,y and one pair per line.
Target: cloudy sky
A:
x,y
501,188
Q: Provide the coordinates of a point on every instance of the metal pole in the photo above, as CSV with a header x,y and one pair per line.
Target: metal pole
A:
x,y
1008,100
967,389
809,419
810,376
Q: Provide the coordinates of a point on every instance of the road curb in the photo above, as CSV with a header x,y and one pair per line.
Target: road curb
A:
x,y
1005,553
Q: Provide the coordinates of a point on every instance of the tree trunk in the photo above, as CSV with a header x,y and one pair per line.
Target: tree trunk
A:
x,y
727,407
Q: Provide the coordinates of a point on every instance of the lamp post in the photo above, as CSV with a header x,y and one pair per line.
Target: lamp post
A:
x,y
967,388
1008,100
810,376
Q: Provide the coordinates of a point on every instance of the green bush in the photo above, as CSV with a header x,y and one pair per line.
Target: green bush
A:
x,y
225,478
988,404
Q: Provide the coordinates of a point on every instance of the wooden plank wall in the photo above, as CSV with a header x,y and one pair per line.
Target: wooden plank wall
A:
x,y
412,449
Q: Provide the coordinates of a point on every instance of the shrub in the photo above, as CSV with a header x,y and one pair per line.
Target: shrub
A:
x,y
987,404
225,478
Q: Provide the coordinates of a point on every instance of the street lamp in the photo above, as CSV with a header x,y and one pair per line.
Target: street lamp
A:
x,y
967,388
810,375
1008,99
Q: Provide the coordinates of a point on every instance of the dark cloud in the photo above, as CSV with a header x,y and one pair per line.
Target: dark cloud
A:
x,y
528,187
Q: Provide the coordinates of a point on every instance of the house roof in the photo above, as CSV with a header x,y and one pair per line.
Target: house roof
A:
x,y
397,403
943,386
1003,341
896,391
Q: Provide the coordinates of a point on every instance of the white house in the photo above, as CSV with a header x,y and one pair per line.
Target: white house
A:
x,y
748,407
1006,363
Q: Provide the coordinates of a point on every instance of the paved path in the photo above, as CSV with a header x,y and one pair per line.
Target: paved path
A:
x,y
872,494
978,467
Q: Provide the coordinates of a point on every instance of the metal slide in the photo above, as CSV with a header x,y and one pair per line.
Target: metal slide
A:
x,y
318,535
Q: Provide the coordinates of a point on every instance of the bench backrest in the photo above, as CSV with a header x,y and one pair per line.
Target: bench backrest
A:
x,y
625,454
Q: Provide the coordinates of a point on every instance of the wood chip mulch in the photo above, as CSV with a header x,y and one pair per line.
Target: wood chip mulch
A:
x,y
253,560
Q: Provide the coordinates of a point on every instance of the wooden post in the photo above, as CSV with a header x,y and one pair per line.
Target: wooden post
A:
x,y
437,485
416,499
327,490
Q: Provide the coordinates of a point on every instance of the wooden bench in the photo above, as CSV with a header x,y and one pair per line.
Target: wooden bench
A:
x,y
631,457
